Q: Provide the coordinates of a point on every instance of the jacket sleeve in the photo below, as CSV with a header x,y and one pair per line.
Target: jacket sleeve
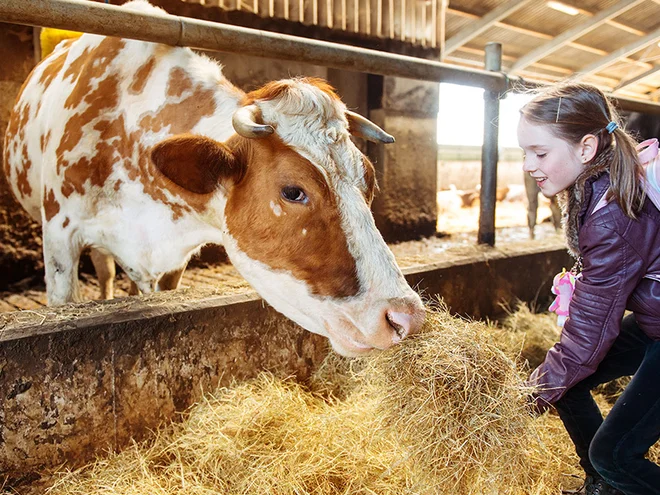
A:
x,y
611,271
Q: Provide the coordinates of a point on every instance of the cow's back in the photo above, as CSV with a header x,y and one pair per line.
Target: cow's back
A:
x,y
79,136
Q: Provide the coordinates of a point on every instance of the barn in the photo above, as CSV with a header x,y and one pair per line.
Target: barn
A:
x,y
111,116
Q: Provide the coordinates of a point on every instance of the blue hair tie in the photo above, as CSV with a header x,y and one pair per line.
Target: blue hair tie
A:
x,y
611,127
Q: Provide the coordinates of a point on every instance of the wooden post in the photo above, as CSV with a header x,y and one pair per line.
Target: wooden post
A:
x,y
489,154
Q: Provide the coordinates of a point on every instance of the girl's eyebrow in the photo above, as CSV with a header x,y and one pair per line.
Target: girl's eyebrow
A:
x,y
536,147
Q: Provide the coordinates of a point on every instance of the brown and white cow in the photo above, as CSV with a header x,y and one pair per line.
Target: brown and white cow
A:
x,y
145,152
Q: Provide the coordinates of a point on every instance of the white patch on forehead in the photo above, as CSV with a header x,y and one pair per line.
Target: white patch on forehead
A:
x,y
314,124
277,209
304,231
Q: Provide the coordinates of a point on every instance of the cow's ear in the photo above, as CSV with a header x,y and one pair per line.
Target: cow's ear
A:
x,y
197,163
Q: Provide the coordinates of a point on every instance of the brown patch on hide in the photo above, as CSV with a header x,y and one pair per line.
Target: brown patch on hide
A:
x,y
22,183
142,76
53,67
320,257
181,116
98,167
178,83
65,223
90,66
51,206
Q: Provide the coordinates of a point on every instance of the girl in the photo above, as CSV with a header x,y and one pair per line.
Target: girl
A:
x,y
574,147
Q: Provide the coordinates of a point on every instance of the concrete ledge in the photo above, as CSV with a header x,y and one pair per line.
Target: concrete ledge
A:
x,y
87,378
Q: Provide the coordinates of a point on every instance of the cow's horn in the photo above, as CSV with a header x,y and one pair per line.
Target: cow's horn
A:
x,y
245,123
365,128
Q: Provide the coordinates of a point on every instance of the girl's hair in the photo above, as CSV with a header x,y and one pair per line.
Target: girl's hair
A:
x,y
574,110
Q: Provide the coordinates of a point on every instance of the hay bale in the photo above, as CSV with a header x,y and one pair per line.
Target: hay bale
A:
x,y
442,413
529,334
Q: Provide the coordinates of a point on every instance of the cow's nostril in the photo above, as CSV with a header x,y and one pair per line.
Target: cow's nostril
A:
x,y
398,329
399,322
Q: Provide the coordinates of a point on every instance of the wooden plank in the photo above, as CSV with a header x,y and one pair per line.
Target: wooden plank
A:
x,y
37,296
343,15
329,19
413,21
5,307
403,20
379,18
434,23
21,302
391,18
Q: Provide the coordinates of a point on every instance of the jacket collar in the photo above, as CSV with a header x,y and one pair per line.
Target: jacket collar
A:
x,y
579,200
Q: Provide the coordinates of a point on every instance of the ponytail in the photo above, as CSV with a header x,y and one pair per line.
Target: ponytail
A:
x,y
626,174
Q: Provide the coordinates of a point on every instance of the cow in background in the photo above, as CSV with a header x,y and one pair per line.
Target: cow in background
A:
x,y
643,125
532,191
145,152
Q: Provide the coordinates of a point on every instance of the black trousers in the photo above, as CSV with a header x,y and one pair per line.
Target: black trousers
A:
x,y
614,448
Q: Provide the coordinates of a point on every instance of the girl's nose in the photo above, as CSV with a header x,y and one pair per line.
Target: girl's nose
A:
x,y
527,167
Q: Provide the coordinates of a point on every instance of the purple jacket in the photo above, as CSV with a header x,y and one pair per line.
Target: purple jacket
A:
x,y
617,254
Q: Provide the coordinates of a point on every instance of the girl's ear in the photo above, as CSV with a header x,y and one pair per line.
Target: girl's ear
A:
x,y
587,148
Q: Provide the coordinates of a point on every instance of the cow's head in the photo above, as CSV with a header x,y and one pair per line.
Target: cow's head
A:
x,y
292,193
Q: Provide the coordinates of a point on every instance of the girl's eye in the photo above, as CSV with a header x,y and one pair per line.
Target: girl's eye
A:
x,y
294,194
540,155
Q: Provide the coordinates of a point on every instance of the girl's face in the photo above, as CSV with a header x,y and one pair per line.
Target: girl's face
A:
x,y
554,163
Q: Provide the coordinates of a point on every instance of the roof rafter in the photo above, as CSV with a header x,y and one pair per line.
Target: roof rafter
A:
x,y
573,34
621,53
653,70
475,29
538,34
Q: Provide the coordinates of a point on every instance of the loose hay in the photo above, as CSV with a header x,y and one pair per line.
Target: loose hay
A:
x,y
443,413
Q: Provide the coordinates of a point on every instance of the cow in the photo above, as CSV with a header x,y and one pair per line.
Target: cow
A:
x,y
532,190
643,126
146,152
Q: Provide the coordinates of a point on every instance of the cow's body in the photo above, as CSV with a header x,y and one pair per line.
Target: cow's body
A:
x,y
128,147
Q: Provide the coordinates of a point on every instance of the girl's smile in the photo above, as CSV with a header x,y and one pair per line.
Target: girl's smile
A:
x,y
553,162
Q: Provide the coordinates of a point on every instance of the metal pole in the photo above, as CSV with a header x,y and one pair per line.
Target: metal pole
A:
x,y
489,155
112,20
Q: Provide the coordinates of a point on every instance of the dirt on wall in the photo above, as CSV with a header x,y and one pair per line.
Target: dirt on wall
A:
x,y
20,237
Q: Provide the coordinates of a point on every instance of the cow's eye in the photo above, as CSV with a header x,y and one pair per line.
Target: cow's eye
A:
x,y
294,194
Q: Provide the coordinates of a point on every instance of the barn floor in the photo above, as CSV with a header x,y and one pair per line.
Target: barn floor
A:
x,y
30,294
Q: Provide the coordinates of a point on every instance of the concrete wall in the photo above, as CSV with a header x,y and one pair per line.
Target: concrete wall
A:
x,y
71,389
406,207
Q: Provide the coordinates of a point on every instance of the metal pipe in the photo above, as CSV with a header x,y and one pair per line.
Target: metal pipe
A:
x,y
489,155
112,20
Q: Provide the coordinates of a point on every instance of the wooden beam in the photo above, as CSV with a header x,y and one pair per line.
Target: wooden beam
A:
x,y
574,33
476,28
620,54
627,82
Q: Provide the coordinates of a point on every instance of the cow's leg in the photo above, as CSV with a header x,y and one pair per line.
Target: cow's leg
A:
x,y
133,290
556,213
171,280
61,257
532,191
104,264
